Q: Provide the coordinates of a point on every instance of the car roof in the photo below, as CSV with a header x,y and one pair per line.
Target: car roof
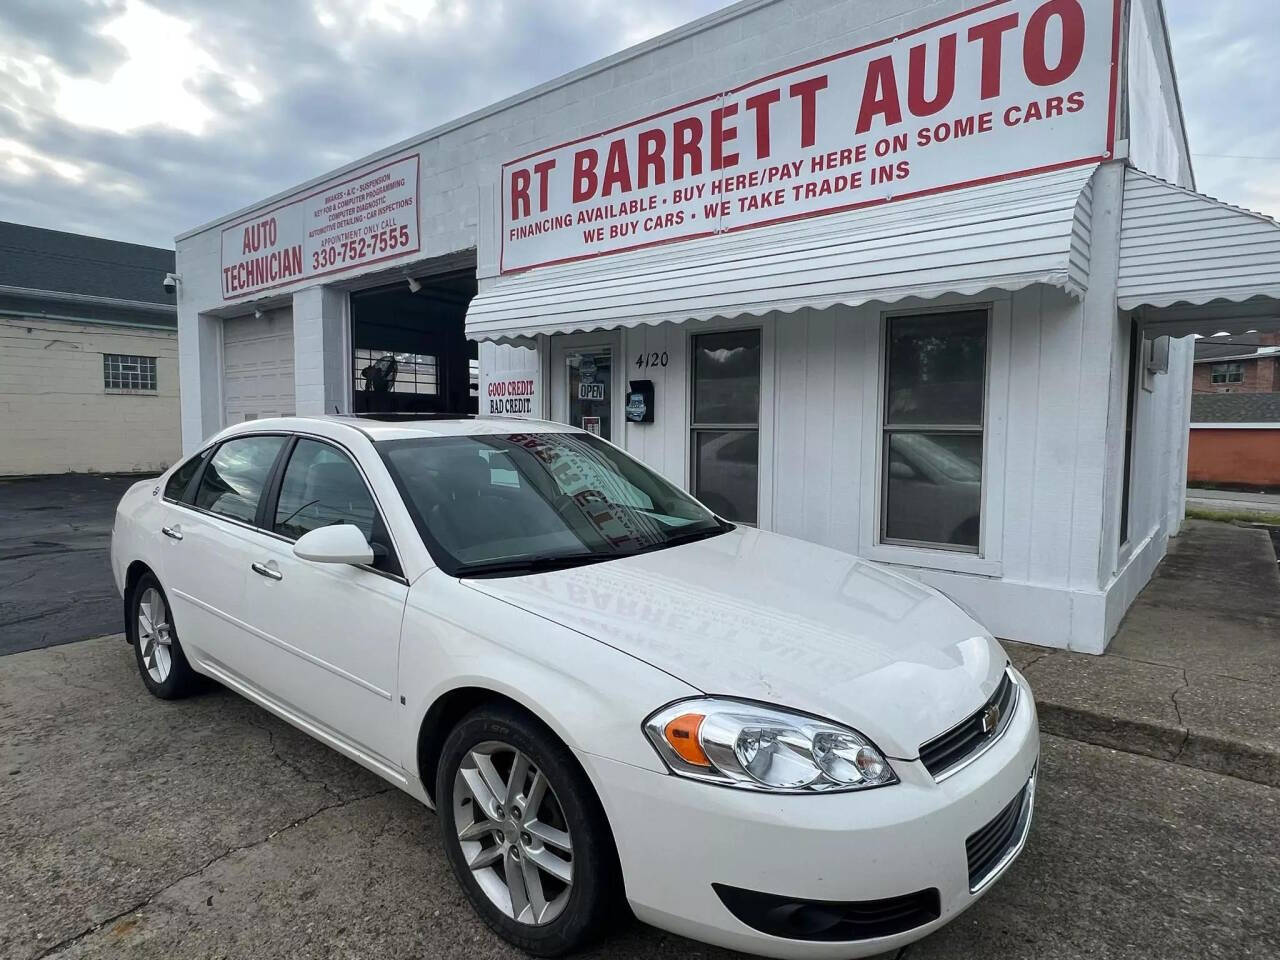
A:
x,y
399,428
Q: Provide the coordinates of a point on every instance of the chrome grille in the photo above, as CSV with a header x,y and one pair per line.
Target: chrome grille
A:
x,y
946,753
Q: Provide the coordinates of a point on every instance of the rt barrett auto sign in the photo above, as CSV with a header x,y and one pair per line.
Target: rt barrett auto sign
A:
x,y
1009,88
365,218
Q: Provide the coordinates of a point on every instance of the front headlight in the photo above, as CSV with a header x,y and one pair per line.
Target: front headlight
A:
x,y
754,747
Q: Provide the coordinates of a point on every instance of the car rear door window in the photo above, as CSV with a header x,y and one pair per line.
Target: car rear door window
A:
x,y
237,474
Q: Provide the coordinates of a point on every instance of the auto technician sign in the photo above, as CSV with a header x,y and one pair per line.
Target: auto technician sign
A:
x,y
1007,89
365,218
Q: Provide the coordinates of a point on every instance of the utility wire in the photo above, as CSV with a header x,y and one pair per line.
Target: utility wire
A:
x,y
1232,156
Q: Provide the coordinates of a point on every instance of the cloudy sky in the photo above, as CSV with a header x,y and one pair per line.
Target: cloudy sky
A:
x,y
137,119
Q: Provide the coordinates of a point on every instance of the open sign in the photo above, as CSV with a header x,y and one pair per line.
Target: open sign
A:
x,y
591,391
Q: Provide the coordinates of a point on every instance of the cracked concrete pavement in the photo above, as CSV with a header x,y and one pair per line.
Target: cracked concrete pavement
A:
x,y
1193,675
208,828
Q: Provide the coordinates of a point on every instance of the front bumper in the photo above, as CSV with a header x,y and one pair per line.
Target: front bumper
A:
x,y
677,837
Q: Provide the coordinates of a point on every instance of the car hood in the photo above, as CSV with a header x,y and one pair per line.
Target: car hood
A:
x,y
765,617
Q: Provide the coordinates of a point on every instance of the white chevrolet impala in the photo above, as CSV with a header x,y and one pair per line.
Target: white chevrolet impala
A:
x,y
607,693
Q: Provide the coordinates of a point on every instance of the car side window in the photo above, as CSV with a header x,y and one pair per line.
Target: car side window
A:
x,y
176,487
234,481
320,487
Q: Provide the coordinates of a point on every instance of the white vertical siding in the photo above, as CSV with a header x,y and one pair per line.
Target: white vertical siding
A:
x,y
1157,141
663,444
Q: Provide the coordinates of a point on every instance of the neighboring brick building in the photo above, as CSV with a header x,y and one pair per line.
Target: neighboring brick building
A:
x,y
88,355
1235,441
1249,363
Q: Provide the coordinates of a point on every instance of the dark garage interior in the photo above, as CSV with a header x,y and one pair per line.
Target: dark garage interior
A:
x,y
409,348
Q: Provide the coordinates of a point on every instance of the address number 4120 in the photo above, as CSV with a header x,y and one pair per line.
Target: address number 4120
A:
x,y
646,360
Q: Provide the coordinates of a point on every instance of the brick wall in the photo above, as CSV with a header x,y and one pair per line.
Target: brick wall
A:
x,y
1260,376
56,415
1234,458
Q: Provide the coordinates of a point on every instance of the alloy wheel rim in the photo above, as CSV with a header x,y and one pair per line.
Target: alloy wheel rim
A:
x,y
513,833
155,637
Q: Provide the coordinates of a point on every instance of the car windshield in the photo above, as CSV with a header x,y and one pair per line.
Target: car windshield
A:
x,y
500,504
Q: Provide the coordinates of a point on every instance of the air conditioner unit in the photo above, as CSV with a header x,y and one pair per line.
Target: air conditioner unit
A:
x,y
1158,355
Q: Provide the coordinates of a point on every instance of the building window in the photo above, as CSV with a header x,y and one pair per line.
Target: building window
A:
x,y
124,372
935,390
1227,373
726,423
389,371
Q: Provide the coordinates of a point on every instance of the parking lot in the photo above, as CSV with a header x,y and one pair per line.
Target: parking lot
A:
x,y
55,581
208,828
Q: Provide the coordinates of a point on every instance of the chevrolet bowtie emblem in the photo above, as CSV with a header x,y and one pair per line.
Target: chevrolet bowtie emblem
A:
x,y
990,718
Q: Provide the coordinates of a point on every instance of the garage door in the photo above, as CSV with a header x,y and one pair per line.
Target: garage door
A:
x,y
257,367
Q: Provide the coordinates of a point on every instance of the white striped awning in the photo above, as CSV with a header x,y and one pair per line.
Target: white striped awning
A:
x,y
1005,236
1178,247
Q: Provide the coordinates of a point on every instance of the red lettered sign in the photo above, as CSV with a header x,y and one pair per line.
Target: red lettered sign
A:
x,y
1007,89
364,218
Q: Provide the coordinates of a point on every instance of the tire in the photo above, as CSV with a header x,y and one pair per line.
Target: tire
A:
x,y
564,810
161,662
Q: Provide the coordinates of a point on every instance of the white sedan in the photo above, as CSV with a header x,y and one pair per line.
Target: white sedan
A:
x,y
607,693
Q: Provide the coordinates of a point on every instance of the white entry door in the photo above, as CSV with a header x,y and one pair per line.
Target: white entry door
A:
x,y
587,381
257,367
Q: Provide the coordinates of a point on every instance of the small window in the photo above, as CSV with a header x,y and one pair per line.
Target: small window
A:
x,y
391,371
321,487
935,388
233,483
180,479
126,372
1227,373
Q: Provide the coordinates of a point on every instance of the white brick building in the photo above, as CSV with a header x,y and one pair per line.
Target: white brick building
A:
x,y
917,303
88,355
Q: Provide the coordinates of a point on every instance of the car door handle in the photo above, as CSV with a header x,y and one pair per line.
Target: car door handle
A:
x,y
264,571
173,533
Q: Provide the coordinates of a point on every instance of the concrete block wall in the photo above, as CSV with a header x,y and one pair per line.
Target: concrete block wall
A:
x,y
56,416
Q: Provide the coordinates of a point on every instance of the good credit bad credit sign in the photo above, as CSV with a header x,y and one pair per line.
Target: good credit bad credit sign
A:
x,y
361,219
1009,88
510,394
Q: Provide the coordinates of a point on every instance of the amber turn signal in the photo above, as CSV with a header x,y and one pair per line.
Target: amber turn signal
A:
x,y
682,734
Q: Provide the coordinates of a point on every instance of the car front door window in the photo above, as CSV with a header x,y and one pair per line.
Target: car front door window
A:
x,y
321,487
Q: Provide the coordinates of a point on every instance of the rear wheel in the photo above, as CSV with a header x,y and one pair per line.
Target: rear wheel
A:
x,y
161,662
525,833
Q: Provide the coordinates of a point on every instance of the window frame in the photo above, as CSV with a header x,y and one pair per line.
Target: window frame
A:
x,y
1229,368
694,427
887,430
436,390
989,560
144,375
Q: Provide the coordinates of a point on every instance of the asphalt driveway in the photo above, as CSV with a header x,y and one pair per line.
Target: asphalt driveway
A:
x,y
55,576
208,828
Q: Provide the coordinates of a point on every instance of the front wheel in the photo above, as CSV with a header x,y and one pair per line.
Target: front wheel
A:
x,y
524,833
161,662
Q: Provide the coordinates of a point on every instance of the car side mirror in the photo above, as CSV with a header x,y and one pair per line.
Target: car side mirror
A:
x,y
340,543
